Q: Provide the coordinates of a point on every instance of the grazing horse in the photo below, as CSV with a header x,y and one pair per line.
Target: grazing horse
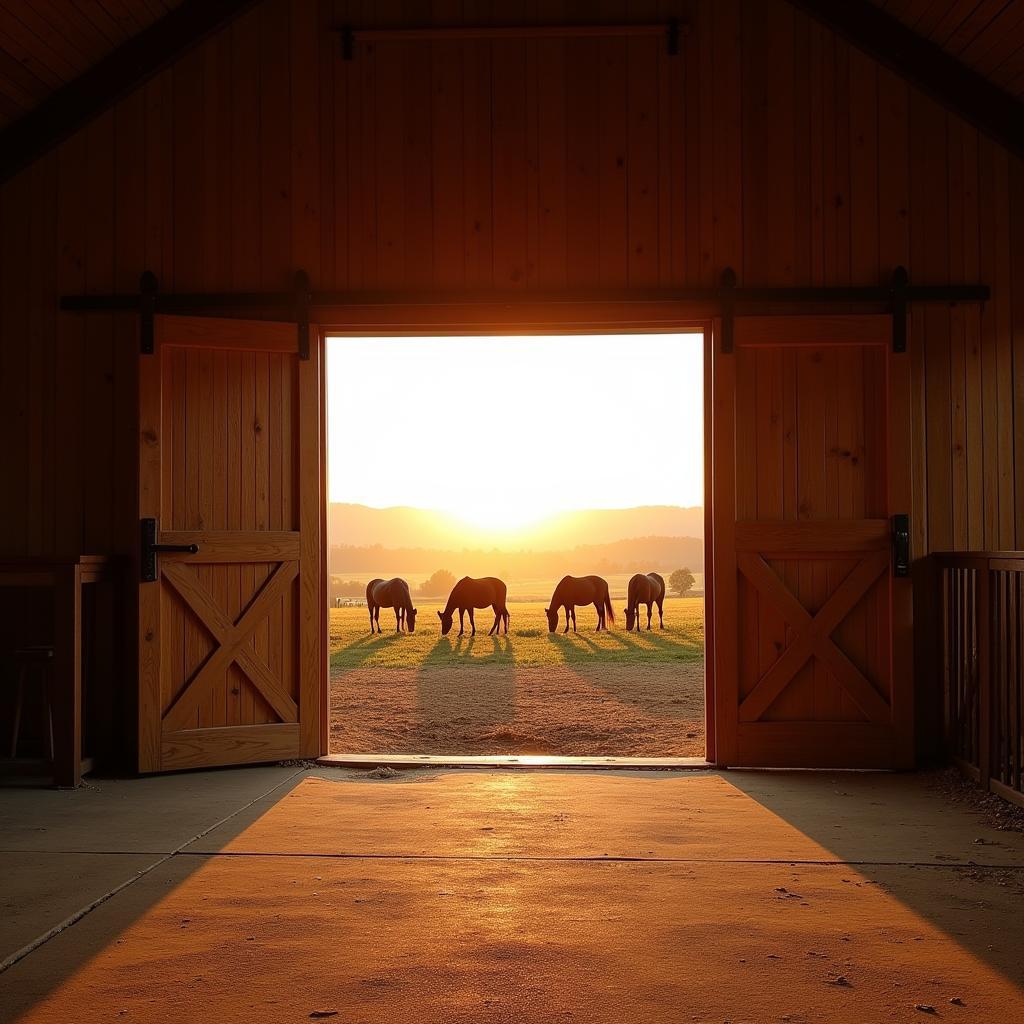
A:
x,y
648,590
574,590
391,594
468,594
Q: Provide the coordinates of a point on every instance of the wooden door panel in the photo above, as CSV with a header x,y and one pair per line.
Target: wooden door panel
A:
x,y
228,440
811,412
230,462
836,745
811,627
805,449
214,747
231,641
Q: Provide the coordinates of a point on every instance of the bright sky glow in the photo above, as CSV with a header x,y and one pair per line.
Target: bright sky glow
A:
x,y
504,431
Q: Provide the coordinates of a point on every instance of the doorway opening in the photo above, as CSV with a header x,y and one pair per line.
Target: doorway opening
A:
x,y
521,459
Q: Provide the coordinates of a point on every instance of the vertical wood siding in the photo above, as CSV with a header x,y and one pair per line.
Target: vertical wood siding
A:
x,y
769,144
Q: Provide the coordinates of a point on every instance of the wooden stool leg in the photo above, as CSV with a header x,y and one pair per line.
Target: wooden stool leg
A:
x,y
19,700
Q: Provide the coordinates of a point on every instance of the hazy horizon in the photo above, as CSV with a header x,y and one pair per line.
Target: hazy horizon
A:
x,y
365,543
405,526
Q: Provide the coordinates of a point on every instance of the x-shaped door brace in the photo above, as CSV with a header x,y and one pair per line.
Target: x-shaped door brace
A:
x,y
232,647
814,636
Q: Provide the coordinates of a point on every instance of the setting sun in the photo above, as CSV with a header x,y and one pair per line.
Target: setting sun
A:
x,y
504,432
502,513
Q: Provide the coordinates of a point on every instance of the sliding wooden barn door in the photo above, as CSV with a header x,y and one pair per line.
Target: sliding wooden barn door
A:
x,y
231,668
811,463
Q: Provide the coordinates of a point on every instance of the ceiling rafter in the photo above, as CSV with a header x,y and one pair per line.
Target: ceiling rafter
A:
x,y
926,65
75,104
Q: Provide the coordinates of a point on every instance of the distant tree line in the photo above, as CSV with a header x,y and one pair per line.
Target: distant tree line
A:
x,y
439,584
607,559
347,588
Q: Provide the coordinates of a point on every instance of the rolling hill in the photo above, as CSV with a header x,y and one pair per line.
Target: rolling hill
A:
x,y
360,526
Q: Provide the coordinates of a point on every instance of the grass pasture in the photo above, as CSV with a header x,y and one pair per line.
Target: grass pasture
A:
x,y
532,692
528,641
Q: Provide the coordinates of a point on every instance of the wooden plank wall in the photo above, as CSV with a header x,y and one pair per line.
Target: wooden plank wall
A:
x,y
769,145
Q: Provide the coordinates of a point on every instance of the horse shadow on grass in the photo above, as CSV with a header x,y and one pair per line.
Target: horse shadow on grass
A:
x,y
361,651
592,652
668,689
664,642
465,693
466,650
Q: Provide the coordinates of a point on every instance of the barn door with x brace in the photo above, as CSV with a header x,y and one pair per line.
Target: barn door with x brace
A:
x,y
811,473
231,667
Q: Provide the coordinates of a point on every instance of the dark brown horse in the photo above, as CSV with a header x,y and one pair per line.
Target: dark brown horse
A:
x,y
468,594
578,590
391,594
648,590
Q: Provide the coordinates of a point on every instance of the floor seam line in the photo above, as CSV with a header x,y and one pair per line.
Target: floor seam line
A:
x,y
469,858
8,962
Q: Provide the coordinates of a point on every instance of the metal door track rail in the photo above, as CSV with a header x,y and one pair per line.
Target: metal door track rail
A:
x,y
302,305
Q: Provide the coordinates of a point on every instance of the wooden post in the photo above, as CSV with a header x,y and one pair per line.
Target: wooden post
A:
x,y
984,598
723,400
710,697
67,675
931,674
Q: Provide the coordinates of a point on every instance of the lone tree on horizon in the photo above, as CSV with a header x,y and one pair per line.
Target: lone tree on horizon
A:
x,y
681,582
438,585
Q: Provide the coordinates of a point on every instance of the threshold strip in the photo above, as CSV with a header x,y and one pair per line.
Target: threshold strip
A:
x,y
508,761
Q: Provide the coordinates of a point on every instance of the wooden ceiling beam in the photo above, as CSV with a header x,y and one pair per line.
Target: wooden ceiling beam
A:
x,y
74,105
926,65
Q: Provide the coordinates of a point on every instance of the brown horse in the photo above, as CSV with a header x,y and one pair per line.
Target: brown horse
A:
x,y
577,590
391,594
468,594
648,590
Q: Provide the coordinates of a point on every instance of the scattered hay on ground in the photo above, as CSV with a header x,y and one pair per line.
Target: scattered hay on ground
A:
x,y
995,812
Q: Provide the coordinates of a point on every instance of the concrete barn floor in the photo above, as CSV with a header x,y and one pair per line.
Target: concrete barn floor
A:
x,y
284,894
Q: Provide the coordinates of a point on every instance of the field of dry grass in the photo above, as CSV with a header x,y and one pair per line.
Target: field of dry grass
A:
x,y
532,692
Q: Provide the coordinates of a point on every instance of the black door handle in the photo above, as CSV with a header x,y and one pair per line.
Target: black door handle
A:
x,y
901,544
149,549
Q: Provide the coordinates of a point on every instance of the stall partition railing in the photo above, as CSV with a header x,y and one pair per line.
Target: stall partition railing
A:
x,y
981,638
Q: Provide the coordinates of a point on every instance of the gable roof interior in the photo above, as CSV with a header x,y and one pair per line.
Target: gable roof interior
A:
x,y
51,45
985,35
46,44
